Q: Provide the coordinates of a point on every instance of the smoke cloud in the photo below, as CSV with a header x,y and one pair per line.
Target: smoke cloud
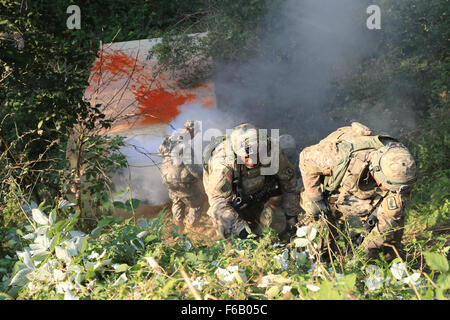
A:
x,y
143,176
289,83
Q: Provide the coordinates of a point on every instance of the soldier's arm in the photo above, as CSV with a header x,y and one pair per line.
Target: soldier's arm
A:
x,y
391,210
390,222
289,187
195,169
163,149
220,193
313,165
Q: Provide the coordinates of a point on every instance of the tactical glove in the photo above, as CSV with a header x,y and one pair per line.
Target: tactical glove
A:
x,y
244,234
290,225
320,207
290,230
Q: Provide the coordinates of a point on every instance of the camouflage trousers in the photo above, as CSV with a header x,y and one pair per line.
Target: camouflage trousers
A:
x,y
188,202
386,234
257,216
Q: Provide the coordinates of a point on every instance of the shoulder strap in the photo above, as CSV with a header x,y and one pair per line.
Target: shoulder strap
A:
x,y
346,150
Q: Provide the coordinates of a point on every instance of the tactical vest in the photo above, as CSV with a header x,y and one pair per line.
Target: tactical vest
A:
x,y
247,184
347,151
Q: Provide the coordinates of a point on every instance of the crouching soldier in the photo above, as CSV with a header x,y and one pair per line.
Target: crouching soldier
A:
x,y
182,177
354,172
239,184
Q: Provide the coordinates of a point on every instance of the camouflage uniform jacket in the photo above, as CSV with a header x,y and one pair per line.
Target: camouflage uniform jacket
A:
x,y
357,193
175,169
223,169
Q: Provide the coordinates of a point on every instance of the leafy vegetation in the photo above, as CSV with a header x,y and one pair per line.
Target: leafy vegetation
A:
x,y
147,259
60,250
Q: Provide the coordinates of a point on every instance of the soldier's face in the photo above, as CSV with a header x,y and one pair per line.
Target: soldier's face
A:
x,y
249,163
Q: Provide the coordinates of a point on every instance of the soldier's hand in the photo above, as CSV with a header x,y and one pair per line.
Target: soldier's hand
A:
x,y
320,208
244,234
290,225
290,230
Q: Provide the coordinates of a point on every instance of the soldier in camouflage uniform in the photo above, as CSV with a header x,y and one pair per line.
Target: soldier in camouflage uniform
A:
x,y
182,178
354,172
237,191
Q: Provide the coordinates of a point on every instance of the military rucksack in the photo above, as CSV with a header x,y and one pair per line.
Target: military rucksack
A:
x,y
346,151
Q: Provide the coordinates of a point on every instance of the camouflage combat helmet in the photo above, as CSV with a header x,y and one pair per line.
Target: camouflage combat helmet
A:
x,y
244,140
394,166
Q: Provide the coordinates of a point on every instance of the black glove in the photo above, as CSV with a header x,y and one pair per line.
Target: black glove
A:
x,y
244,234
290,225
290,230
320,207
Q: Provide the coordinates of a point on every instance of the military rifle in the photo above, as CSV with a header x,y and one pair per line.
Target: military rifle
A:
x,y
242,200
369,224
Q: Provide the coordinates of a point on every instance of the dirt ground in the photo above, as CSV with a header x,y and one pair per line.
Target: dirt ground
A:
x,y
203,234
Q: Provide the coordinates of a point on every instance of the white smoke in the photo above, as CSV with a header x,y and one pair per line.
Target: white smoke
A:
x,y
289,82
143,176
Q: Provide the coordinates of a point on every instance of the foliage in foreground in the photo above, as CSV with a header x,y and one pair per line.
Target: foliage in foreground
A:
x,y
148,259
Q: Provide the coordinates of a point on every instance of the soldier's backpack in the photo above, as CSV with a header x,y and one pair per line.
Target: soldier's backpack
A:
x,y
346,152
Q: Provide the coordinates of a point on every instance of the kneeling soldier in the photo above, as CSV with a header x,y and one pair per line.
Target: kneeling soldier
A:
x,y
354,172
238,186
183,179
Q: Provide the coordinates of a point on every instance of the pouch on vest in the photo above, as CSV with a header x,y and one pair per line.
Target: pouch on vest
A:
x,y
346,150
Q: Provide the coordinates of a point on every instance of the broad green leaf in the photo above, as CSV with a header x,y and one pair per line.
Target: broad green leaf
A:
x,y
132,205
21,279
64,204
96,232
11,243
60,225
118,205
105,221
327,292
121,268
436,261
62,254
273,292
142,234
52,217
39,217
348,282
84,243
444,281
119,193
150,238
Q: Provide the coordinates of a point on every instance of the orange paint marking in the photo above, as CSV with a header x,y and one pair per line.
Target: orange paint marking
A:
x,y
157,100
159,105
